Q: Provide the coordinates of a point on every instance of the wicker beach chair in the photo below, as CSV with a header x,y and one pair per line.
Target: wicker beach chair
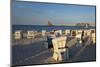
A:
x,y
59,45
18,35
30,35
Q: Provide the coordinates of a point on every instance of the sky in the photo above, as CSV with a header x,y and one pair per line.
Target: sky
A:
x,y
35,13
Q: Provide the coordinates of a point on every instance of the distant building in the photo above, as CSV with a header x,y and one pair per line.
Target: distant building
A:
x,y
50,24
86,25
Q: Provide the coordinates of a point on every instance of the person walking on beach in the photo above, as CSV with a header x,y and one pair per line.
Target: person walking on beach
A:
x,y
82,35
50,36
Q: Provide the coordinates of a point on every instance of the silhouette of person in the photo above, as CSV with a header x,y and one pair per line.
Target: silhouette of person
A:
x,y
82,37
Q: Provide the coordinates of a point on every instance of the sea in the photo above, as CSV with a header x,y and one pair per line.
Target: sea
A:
x,y
47,28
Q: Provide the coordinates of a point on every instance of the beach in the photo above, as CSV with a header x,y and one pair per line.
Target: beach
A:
x,y
26,52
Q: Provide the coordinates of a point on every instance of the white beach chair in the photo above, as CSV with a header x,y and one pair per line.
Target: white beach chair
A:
x,y
59,45
85,32
67,32
17,35
73,32
88,32
94,37
78,37
58,32
30,35
79,31
43,32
